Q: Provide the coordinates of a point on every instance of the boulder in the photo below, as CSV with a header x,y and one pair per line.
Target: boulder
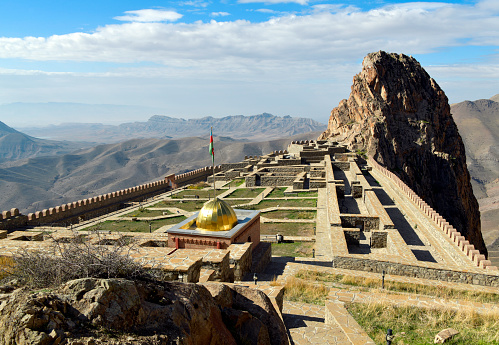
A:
x,y
446,334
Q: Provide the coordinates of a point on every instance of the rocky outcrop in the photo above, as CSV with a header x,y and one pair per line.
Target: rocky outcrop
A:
x,y
119,311
398,114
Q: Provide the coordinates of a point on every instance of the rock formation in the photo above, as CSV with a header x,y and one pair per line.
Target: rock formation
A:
x,y
119,311
400,116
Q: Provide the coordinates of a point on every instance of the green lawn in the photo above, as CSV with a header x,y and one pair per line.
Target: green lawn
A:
x,y
236,202
294,249
246,193
186,205
191,193
134,226
284,203
287,229
145,212
290,214
279,193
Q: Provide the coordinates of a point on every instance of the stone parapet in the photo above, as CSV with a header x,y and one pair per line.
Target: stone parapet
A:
x,y
437,219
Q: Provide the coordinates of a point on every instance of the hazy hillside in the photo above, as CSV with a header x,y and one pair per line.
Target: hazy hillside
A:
x,y
16,145
254,128
478,123
37,183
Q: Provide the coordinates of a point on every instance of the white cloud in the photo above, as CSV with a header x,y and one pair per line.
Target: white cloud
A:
x,y
300,61
220,14
300,2
194,3
149,16
319,36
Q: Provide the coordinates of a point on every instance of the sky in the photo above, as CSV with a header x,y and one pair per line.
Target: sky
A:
x,y
199,58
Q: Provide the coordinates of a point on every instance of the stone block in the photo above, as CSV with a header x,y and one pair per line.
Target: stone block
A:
x,y
485,263
379,239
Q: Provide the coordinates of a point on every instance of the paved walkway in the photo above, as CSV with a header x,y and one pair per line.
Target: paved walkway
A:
x,y
305,323
323,250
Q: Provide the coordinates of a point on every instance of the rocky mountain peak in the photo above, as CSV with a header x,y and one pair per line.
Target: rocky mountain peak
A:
x,y
400,116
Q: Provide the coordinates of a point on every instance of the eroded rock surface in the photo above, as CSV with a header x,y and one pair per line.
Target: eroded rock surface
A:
x,y
119,311
400,116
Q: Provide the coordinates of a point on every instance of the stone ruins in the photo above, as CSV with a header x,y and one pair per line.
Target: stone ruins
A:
x,y
368,218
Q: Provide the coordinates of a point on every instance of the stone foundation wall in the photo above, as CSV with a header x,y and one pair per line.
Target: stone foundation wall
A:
x,y
379,239
400,269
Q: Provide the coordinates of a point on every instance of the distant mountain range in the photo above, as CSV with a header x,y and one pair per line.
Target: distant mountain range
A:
x,y
15,145
254,128
478,123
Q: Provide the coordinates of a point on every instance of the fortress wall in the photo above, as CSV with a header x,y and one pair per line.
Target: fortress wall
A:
x,y
456,237
197,175
75,211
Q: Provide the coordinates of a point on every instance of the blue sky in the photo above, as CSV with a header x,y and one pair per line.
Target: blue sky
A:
x,y
217,58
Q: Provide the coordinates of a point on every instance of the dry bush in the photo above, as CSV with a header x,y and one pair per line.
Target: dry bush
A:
x,y
74,259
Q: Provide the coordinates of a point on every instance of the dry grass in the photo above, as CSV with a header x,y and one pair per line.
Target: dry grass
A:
x,y
6,266
274,282
419,326
437,291
301,291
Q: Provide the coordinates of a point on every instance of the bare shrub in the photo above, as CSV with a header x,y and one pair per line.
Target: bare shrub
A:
x,y
77,258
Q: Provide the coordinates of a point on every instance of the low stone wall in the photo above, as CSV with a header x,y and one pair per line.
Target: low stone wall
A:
x,y
74,212
467,277
367,223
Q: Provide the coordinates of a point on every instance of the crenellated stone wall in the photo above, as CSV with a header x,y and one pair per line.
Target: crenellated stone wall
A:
x,y
459,240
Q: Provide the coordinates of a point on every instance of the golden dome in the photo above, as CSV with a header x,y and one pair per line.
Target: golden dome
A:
x,y
216,215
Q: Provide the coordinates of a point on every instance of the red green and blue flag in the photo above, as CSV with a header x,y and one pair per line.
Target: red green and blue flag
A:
x,y
212,150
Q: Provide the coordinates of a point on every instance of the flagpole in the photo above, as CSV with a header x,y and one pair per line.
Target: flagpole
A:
x,y
213,162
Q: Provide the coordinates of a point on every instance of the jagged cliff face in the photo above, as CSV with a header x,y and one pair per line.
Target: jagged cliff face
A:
x,y
401,117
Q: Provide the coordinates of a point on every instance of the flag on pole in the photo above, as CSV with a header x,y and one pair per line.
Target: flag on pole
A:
x,y
212,150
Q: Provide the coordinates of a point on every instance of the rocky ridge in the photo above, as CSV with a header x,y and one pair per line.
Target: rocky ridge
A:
x,y
398,114
119,311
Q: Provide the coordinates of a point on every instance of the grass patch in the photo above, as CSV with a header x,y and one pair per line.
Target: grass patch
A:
x,y
294,249
199,185
246,193
279,193
301,291
436,291
192,194
145,212
290,214
421,325
285,203
186,205
235,183
134,226
287,229
236,202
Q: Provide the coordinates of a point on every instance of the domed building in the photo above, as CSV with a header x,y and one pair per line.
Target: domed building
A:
x,y
216,225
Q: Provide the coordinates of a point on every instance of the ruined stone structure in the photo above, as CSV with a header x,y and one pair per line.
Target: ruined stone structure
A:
x,y
365,230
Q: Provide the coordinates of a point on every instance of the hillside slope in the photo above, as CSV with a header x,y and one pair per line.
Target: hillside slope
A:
x,y
38,183
16,145
478,123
